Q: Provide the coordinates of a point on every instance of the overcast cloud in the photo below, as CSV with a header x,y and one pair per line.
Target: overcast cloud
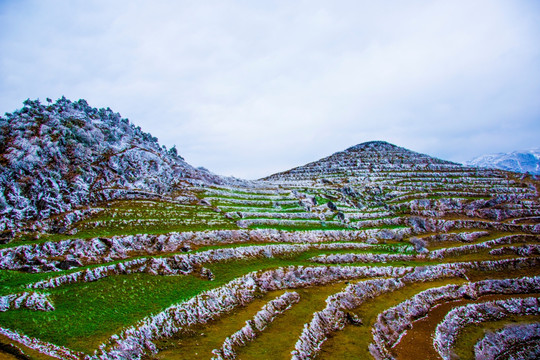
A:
x,y
249,88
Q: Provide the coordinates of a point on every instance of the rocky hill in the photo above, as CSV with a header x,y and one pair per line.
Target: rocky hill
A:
x,y
127,252
364,159
517,161
59,156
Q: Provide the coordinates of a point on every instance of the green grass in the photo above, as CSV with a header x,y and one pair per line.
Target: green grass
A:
x,y
87,314
15,281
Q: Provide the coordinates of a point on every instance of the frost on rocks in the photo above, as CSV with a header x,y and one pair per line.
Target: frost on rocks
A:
x,y
466,249
364,258
186,264
523,250
256,325
139,339
460,236
335,314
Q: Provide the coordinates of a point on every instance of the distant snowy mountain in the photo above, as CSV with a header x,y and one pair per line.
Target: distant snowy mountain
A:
x,y
527,161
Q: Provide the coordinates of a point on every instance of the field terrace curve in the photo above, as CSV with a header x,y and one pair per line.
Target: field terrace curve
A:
x,y
346,257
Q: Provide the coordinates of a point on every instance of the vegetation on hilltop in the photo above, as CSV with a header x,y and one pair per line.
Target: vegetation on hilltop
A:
x,y
56,157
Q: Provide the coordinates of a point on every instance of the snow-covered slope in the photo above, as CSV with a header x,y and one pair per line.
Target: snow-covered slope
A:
x,y
527,161
59,156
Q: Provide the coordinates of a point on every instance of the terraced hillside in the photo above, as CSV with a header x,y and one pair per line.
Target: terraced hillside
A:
x,y
374,252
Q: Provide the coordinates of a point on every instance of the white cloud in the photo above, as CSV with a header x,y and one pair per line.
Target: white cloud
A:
x,y
247,89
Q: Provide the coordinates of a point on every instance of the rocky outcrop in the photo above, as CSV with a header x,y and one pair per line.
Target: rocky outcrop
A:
x,y
255,326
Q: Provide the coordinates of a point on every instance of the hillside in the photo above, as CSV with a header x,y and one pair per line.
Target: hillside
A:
x,y
517,161
373,252
58,157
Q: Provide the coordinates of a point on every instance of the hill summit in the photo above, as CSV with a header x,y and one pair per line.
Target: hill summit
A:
x,y
362,159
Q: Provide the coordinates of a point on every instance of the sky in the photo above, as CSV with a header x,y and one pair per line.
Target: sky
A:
x,y
250,88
